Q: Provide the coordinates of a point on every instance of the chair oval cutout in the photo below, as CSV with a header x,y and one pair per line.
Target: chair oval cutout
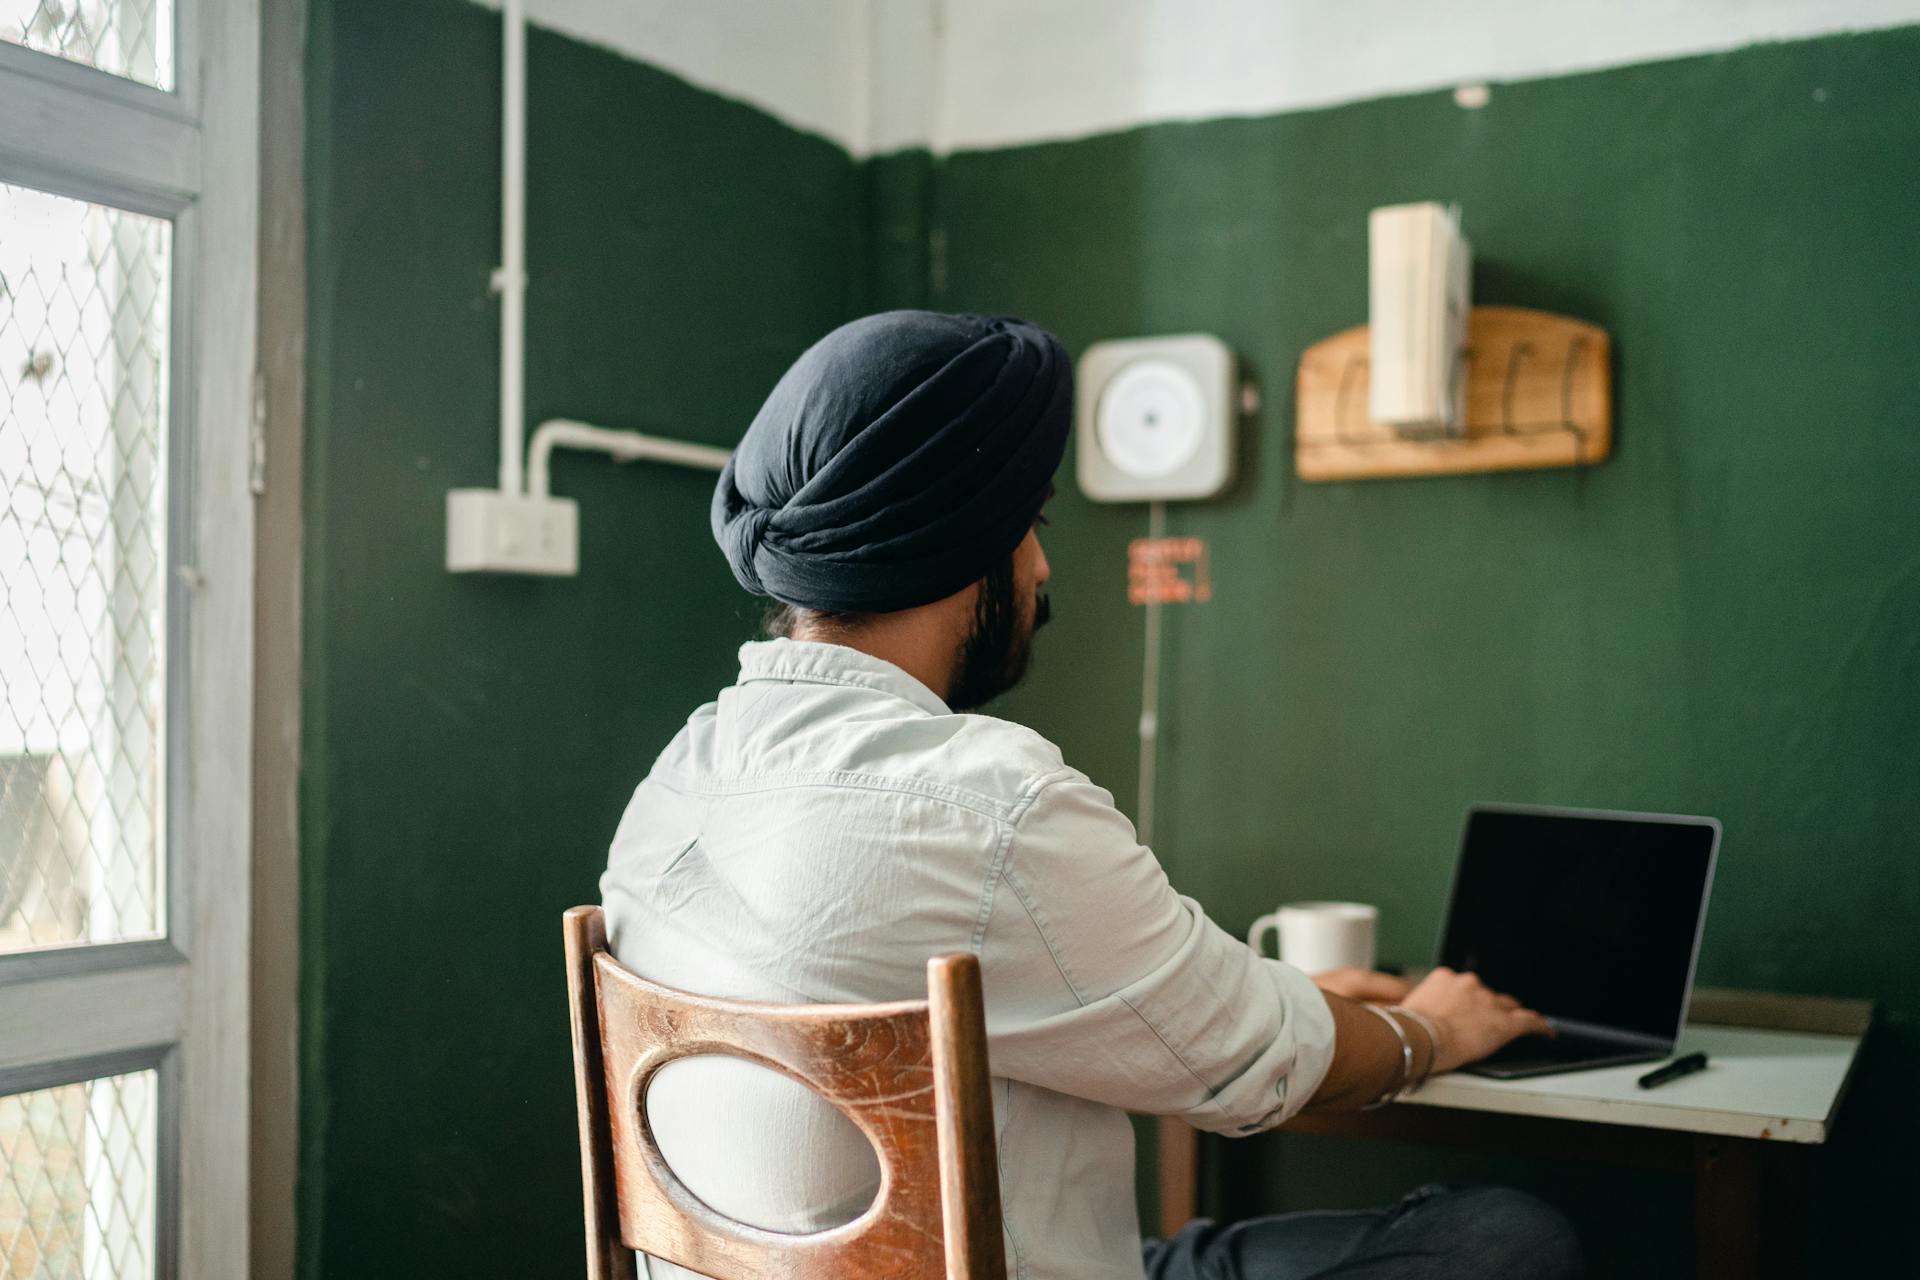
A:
x,y
758,1147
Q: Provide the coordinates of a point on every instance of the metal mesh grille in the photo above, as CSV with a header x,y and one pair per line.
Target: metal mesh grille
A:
x,y
77,1180
131,38
84,298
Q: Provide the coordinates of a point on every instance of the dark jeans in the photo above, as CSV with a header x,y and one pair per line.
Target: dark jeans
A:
x,y
1478,1233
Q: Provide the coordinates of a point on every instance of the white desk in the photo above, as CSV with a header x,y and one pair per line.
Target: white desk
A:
x,y
1780,1086
1746,1127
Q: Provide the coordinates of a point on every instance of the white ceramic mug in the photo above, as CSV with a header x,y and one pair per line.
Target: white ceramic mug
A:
x,y
1318,936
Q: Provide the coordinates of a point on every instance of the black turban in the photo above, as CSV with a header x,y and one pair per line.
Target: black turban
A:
x,y
899,459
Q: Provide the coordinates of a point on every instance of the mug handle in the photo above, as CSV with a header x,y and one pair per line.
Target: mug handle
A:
x,y
1258,933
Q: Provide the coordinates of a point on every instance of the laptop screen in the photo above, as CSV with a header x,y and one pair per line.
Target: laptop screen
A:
x,y
1590,917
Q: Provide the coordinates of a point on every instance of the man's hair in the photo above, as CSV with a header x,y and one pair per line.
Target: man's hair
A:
x,y
782,620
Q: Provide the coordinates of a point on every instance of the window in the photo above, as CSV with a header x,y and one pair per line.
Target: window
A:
x,y
80,1161
131,38
128,141
84,339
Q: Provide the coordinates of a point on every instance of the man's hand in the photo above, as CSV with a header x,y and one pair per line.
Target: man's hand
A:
x,y
1363,984
1473,1020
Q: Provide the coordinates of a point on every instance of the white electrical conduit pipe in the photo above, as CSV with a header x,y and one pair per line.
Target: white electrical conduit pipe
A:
x,y
622,446
511,279
511,283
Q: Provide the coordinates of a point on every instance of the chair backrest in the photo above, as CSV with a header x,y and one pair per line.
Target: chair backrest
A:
x,y
912,1075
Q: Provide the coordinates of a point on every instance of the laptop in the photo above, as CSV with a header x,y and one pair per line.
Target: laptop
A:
x,y
1592,918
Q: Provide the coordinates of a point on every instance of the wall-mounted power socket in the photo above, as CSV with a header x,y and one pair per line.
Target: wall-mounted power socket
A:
x,y
493,532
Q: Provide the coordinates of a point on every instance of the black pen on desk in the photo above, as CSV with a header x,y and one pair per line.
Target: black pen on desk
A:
x,y
1674,1070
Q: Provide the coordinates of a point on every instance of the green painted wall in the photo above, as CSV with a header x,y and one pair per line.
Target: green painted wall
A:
x,y
1724,618
470,742
1721,619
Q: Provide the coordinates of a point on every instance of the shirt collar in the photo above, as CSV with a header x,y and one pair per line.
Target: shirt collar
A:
x,y
810,662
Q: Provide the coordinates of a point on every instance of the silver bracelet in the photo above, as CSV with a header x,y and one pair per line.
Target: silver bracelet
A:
x,y
1433,1041
1406,1058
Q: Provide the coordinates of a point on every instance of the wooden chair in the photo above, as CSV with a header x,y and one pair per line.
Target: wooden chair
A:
x,y
912,1075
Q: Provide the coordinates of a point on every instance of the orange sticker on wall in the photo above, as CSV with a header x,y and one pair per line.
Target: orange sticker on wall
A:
x,y
1168,571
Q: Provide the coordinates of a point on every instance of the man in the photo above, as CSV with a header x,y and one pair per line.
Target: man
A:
x,y
838,816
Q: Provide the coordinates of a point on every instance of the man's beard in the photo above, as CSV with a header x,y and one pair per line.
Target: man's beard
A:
x,y
999,646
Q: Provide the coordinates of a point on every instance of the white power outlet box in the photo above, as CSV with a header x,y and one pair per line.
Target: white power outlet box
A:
x,y
1417,300
493,532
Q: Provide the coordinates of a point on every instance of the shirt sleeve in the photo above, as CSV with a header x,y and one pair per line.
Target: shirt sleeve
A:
x,y
1105,984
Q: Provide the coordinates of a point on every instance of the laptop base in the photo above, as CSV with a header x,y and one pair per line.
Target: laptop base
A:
x,y
1552,1055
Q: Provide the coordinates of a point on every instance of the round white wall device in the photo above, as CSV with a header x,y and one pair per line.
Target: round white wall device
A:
x,y
1156,418
1152,418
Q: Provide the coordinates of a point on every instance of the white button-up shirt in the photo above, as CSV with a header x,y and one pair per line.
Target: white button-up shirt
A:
x,y
826,826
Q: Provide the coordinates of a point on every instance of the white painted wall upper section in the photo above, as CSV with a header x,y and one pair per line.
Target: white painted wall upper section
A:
x,y
1024,70
879,75
804,61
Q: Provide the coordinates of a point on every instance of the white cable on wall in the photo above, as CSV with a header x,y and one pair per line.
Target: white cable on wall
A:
x,y
1150,693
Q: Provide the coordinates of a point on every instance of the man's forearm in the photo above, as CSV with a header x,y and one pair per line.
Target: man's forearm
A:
x,y
1367,1058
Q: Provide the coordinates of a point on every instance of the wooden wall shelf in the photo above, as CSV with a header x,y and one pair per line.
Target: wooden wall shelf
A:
x,y
1539,394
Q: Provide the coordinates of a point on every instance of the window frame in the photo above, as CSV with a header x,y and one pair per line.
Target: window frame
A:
x,y
179,1003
